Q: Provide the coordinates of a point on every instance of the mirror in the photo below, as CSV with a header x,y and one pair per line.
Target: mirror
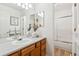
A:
x,y
9,20
15,19
40,18
37,18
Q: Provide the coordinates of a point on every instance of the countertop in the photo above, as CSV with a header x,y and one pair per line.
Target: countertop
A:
x,y
6,45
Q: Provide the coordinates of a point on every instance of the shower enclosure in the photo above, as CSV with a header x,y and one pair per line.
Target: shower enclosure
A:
x,y
65,42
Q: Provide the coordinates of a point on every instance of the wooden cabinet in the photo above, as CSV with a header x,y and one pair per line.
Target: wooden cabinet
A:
x,y
37,44
43,47
26,51
36,52
43,50
35,49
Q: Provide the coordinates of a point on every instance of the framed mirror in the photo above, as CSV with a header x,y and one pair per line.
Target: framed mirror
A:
x,y
14,21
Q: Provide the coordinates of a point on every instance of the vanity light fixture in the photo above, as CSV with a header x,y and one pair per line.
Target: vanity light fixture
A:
x,y
25,5
26,8
19,4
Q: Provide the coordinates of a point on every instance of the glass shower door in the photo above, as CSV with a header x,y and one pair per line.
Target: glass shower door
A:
x,y
63,23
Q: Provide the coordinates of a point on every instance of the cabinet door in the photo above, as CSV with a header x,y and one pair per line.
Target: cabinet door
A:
x,y
36,52
43,50
43,47
26,51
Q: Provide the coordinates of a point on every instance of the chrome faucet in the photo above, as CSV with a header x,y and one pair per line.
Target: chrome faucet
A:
x,y
15,33
8,33
16,36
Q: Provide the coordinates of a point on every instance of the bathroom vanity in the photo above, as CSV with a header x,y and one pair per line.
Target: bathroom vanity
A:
x,y
36,48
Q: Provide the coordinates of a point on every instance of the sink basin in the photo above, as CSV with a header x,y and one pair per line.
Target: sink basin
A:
x,y
21,42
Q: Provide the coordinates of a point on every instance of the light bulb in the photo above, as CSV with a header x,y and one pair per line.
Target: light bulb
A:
x,y
42,14
19,4
26,7
23,6
30,6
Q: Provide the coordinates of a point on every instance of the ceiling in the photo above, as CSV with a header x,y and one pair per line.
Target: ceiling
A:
x,y
13,6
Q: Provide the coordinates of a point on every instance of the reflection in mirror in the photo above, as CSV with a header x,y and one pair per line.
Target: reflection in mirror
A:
x,y
37,20
36,24
40,18
14,19
9,20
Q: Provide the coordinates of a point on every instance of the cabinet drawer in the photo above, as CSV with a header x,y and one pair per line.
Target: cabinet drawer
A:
x,y
28,49
37,44
43,41
43,49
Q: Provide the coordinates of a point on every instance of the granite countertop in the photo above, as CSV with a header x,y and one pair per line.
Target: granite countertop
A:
x,y
6,46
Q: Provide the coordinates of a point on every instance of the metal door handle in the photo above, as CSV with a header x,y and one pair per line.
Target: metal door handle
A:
x,y
74,29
